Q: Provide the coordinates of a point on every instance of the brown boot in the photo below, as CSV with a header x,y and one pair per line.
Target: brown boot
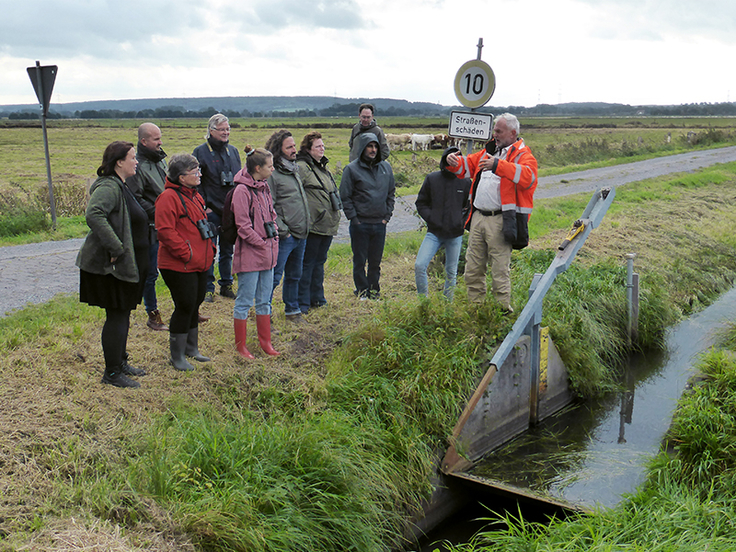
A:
x,y
263,322
155,322
240,335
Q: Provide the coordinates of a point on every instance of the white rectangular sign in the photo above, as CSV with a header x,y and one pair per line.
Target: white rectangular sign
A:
x,y
471,126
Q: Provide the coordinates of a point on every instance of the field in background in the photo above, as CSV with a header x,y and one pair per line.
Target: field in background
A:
x,y
559,144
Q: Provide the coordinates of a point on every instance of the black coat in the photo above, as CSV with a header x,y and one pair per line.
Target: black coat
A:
x,y
443,199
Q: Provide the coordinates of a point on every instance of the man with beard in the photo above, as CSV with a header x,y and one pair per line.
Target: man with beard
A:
x,y
367,191
292,219
219,162
147,184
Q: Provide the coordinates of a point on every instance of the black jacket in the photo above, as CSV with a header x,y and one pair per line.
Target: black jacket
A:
x,y
216,158
442,200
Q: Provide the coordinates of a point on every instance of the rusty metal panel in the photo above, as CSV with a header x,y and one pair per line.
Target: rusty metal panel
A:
x,y
497,411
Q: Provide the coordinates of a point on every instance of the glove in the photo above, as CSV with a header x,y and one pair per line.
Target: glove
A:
x,y
491,146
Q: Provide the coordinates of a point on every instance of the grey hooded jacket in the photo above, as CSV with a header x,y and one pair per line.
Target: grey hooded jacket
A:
x,y
367,190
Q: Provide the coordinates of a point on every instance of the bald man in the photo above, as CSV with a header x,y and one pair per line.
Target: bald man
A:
x,y
147,183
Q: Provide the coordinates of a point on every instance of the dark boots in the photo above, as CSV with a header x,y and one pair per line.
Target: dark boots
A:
x,y
116,377
240,335
192,348
177,345
263,322
129,370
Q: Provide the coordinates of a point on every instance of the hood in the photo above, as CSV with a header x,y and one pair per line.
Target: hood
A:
x,y
443,162
244,177
306,157
365,139
183,189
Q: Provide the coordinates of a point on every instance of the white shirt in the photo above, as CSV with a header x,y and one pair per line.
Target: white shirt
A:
x,y
488,193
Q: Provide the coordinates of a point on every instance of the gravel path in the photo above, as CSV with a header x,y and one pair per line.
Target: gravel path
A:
x,y
36,272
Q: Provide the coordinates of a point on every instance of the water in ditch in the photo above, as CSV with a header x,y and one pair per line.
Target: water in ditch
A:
x,y
594,452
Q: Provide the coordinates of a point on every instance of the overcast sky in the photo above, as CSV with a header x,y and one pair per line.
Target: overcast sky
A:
x,y
541,51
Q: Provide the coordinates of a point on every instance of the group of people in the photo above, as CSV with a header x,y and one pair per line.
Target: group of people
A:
x,y
148,216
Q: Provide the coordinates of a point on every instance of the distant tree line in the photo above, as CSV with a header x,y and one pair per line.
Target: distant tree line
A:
x,y
351,110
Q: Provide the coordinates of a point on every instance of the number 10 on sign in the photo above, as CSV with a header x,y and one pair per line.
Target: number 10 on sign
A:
x,y
475,83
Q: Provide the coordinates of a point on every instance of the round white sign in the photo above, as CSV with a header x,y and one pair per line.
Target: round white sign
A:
x,y
475,83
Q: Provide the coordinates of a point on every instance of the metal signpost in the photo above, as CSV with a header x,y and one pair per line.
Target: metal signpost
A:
x,y
475,83
42,79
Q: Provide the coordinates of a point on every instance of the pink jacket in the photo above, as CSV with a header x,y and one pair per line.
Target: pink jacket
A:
x,y
252,206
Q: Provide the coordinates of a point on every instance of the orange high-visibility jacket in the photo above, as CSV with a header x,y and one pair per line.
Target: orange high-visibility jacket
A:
x,y
518,174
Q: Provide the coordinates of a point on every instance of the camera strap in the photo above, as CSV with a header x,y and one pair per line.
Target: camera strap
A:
x,y
186,211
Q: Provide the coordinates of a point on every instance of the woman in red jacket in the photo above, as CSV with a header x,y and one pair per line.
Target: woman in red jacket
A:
x,y
186,252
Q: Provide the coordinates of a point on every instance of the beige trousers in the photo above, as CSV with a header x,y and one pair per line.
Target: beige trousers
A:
x,y
486,243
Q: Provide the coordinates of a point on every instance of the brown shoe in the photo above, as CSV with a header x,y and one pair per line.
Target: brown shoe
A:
x,y
295,318
201,318
155,322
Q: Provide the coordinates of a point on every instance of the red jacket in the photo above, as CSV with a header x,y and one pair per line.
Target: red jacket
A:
x,y
518,174
181,248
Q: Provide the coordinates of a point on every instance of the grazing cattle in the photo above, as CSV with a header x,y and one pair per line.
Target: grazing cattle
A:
x,y
424,141
440,141
398,141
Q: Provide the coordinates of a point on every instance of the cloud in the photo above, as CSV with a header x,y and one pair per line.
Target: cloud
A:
x,y
97,29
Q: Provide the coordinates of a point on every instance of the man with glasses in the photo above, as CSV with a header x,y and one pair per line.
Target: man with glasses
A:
x,y
219,162
367,123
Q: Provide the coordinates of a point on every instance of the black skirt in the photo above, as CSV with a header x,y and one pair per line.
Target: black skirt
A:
x,y
105,290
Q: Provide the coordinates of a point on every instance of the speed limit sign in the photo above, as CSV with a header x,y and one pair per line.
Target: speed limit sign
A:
x,y
475,83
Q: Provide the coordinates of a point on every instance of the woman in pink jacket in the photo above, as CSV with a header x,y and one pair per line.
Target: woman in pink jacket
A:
x,y
256,248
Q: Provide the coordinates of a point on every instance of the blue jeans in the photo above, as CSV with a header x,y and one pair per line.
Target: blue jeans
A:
x,y
289,264
430,245
311,285
367,241
253,286
225,252
149,287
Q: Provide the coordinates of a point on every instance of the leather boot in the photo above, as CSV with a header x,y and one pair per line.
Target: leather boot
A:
x,y
155,323
115,376
192,348
263,322
240,335
177,344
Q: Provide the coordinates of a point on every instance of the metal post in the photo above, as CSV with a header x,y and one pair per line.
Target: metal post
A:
x,y
469,146
52,203
533,330
630,294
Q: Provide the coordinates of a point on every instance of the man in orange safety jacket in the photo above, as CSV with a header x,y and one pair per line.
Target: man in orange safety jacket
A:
x,y
504,178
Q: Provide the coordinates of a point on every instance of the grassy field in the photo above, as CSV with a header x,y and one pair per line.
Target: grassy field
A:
x,y
329,446
560,145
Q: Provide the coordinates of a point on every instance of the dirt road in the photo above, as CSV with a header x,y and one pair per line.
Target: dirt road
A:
x,y
35,273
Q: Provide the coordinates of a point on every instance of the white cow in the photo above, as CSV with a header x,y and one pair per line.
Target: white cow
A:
x,y
398,141
424,141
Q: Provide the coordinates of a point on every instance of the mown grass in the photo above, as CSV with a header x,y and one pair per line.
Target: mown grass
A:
x,y
331,446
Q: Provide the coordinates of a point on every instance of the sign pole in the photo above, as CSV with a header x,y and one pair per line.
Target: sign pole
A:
x,y
470,146
44,109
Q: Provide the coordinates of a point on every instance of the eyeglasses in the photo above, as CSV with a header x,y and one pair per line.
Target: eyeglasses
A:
x,y
222,129
195,172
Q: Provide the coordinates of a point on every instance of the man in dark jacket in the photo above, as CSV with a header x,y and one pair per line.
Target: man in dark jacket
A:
x,y
219,163
292,219
147,184
367,123
367,191
442,202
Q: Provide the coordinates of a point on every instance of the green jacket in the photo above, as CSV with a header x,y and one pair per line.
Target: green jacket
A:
x,y
318,184
110,234
289,201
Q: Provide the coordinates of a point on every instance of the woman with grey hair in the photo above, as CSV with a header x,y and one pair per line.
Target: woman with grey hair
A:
x,y
185,254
